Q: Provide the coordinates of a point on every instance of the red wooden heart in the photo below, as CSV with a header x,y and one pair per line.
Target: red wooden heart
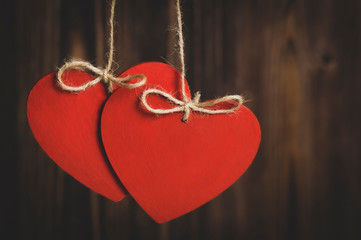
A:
x,y
66,125
171,167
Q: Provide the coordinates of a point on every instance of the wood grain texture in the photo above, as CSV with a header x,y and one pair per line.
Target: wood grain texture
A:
x,y
297,61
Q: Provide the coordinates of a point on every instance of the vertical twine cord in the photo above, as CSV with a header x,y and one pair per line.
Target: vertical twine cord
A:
x,y
181,50
111,36
102,75
111,44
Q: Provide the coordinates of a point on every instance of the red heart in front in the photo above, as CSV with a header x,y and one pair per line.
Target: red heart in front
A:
x,y
171,167
66,125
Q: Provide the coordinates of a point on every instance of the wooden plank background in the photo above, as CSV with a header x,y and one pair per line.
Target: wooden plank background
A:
x,y
297,61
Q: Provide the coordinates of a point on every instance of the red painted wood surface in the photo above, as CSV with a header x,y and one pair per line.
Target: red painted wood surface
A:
x,y
170,167
66,125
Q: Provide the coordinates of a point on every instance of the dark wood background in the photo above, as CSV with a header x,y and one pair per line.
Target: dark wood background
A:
x,y
297,61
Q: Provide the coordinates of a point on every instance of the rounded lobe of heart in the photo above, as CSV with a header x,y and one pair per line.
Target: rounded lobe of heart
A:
x,y
66,125
170,167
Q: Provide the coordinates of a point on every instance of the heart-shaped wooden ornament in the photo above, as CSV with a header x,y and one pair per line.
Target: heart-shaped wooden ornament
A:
x,y
171,167
66,125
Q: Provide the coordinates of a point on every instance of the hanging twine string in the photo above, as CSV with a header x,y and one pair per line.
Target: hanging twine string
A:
x,y
187,105
101,75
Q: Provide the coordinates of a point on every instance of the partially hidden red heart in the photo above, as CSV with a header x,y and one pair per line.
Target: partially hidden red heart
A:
x,y
66,125
171,167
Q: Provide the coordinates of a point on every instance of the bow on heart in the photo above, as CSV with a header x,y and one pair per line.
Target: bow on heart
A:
x,y
103,75
187,105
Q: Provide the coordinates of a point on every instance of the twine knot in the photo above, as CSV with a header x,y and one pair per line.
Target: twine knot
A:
x,y
189,105
105,76
186,106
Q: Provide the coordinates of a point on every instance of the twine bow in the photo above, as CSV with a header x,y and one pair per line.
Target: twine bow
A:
x,y
101,75
191,105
